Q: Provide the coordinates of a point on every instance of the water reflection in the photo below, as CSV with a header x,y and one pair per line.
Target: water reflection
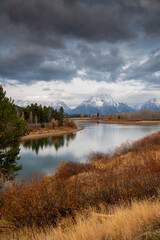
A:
x,y
39,144
43,155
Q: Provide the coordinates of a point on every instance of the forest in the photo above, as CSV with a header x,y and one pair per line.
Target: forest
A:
x,y
37,114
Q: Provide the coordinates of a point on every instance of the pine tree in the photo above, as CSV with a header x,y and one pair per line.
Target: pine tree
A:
x,y
61,116
11,130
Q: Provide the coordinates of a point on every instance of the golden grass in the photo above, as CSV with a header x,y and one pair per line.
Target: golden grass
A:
x,y
137,221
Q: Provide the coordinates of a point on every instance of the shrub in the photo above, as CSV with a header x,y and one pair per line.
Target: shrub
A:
x,y
69,123
42,125
96,156
66,170
53,122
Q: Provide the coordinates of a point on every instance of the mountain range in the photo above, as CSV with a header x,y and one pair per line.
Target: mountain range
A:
x,y
103,104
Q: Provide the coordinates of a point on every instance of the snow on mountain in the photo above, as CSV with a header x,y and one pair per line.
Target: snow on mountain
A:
x,y
102,104
55,105
22,103
99,101
123,107
151,104
59,104
137,107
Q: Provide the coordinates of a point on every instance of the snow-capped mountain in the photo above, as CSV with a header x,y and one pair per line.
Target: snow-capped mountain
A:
x,y
55,105
102,104
22,103
59,104
151,104
137,107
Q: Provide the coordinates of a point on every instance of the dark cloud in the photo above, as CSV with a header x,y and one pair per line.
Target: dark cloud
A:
x,y
146,72
98,62
30,63
36,63
34,36
151,24
69,2
78,20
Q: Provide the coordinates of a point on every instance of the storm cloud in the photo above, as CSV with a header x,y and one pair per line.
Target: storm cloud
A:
x,y
60,40
74,19
148,71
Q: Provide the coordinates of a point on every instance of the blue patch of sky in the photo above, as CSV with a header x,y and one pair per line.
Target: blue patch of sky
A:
x,y
71,44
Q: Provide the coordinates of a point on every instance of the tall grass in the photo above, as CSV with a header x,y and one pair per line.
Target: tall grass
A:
x,y
140,220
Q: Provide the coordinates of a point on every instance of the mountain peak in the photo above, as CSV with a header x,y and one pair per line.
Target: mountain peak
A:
x,y
152,104
102,104
153,100
99,101
56,105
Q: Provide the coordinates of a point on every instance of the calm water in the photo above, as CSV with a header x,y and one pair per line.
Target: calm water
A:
x,y
45,154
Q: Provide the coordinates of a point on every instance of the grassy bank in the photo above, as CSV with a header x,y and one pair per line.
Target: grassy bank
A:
x,y
131,174
44,133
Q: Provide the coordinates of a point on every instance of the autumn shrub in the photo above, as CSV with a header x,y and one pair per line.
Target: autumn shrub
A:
x,y
96,156
68,169
29,204
43,201
39,203
69,123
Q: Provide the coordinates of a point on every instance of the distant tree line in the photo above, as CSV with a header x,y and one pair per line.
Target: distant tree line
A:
x,y
144,114
37,114
76,115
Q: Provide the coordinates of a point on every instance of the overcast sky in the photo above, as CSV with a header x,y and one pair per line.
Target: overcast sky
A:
x,y
69,50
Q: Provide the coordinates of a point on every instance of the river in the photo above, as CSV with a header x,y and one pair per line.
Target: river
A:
x,y
44,155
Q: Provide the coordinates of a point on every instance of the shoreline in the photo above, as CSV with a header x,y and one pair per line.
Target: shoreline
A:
x,y
79,128
115,121
130,122
51,134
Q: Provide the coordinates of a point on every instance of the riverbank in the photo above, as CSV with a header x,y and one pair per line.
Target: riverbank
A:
x,y
102,184
43,133
123,121
116,121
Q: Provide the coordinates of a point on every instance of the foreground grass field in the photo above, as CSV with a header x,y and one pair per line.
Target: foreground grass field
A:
x,y
120,191
140,220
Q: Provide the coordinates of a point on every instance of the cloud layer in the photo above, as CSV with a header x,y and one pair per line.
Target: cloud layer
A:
x,y
60,40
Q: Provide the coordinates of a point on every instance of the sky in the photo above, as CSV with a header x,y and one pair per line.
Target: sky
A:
x,y
70,50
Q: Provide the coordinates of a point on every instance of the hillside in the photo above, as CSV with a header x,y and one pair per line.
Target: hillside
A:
x,y
132,173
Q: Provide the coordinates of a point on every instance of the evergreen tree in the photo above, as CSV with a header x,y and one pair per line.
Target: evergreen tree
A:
x,y
11,130
61,116
30,117
50,114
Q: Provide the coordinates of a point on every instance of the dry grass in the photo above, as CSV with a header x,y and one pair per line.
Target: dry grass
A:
x,y
50,129
141,220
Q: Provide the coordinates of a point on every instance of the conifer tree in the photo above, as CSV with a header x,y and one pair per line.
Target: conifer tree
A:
x,y
11,130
